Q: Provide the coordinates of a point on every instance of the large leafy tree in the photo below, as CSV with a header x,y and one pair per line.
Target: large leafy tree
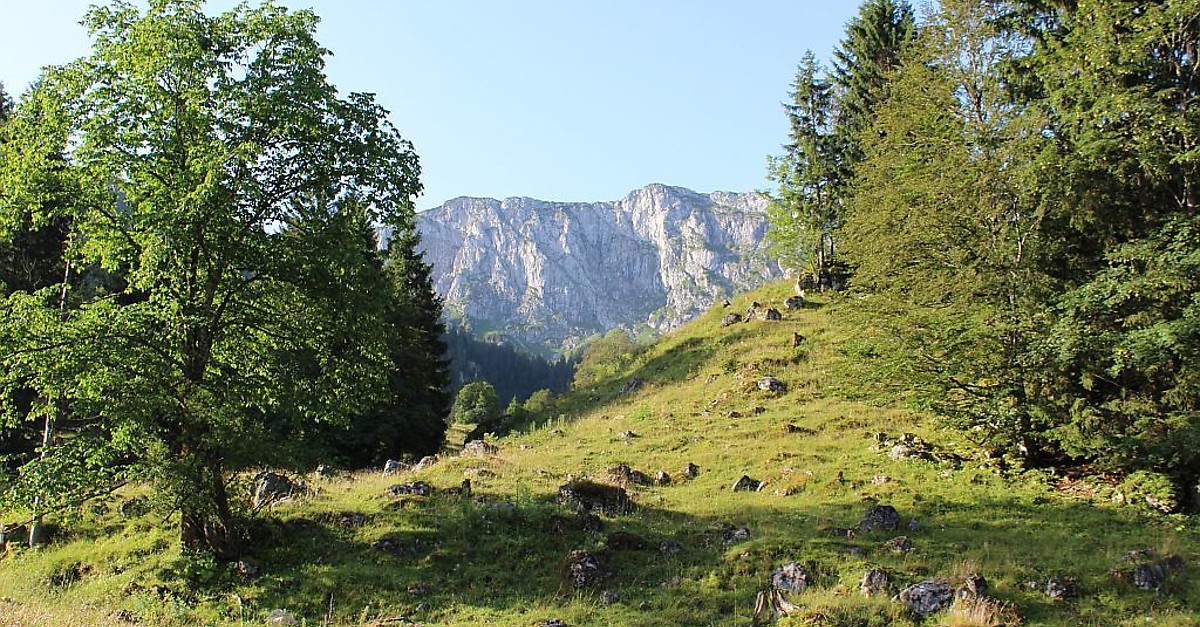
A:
x,y
224,184
947,232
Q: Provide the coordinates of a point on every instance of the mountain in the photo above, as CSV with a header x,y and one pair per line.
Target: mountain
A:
x,y
549,274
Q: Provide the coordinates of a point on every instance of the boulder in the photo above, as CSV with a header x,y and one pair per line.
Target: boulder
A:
x,y
773,385
478,448
880,518
624,475
662,478
392,466
269,488
691,471
773,314
792,303
875,581
589,496
792,578
1152,575
730,319
746,484
586,569
927,597
426,462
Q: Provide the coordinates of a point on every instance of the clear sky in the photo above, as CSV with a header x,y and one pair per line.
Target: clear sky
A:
x,y
553,99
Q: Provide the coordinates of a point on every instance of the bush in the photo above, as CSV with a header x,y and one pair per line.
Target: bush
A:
x,y
476,403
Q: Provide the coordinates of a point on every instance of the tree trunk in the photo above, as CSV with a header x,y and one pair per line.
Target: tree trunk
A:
x,y
207,524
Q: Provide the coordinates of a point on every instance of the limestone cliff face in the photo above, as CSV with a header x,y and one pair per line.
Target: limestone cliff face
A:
x,y
552,273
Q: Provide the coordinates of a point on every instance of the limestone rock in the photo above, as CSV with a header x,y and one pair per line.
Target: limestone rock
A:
x,y
1062,588
589,496
792,578
746,484
478,448
281,617
875,581
269,488
773,385
927,597
586,569
880,518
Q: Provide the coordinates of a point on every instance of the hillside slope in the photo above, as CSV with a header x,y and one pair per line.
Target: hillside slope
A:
x,y
691,552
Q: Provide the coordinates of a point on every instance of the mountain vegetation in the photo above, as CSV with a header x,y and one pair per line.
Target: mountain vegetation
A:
x,y
1014,185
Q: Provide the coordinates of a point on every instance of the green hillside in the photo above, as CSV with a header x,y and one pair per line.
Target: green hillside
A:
x,y
691,552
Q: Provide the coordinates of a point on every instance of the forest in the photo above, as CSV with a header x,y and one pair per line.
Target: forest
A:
x,y
1009,189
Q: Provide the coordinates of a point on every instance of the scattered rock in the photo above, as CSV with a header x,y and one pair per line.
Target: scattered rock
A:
x,y
669,548
880,518
794,302
626,541
246,570
662,478
417,488
734,414
875,581
730,533
426,462
899,544
624,475
392,466
589,496
1062,588
730,319
1152,575
281,617
691,471
927,597
792,578
586,569
773,314
974,586
746,484
632,384
478,448
773,385
270,488
628,435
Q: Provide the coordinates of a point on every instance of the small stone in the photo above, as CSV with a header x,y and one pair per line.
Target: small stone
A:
x,y
771,384
556,433
974,586
270,488
880,518
792,578
586,569
417,488
875,581
691,471
478,448
608,597
1062,588
426,462
927,597
746,484
899,544
281,617
773,314
794,302
392,466
553,622
628,435
662,478
730,319
914,525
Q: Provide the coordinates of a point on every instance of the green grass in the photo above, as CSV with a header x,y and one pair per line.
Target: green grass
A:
x,y
495,559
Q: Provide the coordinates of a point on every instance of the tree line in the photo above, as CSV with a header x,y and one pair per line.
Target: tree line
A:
x,y
190,284
1013,186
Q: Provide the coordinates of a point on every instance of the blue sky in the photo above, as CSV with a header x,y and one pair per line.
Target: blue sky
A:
x,y
554,99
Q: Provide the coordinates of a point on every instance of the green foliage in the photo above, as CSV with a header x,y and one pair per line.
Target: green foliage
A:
x,y
210,170
603,358
476,403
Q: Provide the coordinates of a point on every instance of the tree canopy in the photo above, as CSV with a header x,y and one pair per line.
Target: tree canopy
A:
x,y
219,199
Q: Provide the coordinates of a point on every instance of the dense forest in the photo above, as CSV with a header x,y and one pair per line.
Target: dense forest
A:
x,y
1013,187
514,373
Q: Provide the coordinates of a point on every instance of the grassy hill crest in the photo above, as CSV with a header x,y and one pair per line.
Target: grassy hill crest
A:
x,y
357,551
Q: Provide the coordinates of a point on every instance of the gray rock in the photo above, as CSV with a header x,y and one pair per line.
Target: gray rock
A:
x,y
662,478
794,302
773,385
624,475
416,488
880,518
899,544
270,488
914,525
426,462
691,471
875,581
773,314
586,569
553,622
608,597
589,496
478,448
792,578
746,484
392,466
1062,588
927,597
730,319
1152,575
281,617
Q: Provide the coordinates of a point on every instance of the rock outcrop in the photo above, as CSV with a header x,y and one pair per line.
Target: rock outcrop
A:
x,y
552,273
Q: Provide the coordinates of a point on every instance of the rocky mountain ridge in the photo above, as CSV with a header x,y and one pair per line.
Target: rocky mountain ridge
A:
x,y
549,274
